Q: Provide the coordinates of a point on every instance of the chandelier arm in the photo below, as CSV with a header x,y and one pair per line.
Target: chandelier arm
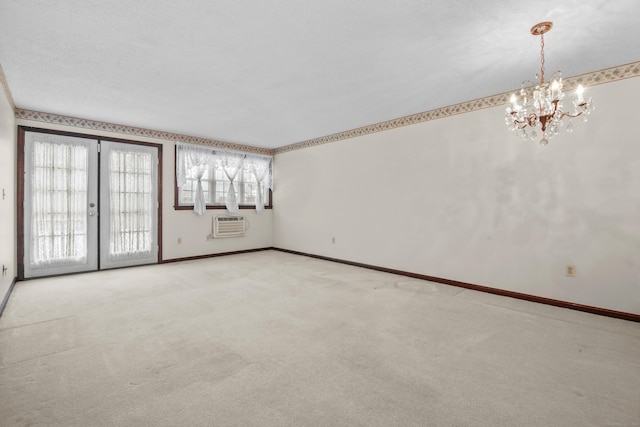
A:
x,y
563,115
518,123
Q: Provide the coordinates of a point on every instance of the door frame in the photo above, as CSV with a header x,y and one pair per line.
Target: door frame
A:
x,y
20,170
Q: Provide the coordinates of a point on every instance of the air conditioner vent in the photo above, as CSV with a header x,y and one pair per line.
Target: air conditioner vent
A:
x,y
229,226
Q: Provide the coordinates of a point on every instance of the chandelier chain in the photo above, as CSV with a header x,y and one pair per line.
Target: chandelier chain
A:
x,y
541,58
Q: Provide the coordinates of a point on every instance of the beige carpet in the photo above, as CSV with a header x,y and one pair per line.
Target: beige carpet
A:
x,y
274,339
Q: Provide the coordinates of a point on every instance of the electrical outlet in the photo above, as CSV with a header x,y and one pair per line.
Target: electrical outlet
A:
x,y
571,270
179,240
333,240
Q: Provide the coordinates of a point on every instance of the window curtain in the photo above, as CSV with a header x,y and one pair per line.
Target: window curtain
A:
x,y
59,202
132,203
189,157
260,168
231,164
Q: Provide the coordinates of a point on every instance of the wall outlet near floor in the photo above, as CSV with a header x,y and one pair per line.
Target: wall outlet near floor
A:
x,y
333,240
571,270
179,240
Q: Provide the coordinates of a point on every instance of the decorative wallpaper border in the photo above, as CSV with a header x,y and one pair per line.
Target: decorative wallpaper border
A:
x,y
590,79
130,130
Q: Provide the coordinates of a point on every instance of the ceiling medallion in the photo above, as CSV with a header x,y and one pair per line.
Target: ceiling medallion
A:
x,y
540,106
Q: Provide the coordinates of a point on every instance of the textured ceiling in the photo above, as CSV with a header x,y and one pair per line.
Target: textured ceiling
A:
x,y
273,73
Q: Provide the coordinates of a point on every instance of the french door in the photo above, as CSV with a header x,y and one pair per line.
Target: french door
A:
x,y
88,204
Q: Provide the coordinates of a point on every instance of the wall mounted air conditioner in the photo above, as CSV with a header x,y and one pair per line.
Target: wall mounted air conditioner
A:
x,y
228,226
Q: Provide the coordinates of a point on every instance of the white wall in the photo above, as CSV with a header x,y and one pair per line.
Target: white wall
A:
x,y
191,229
8,184
468,202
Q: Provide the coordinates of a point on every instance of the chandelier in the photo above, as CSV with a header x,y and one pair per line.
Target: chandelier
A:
x,y
538,108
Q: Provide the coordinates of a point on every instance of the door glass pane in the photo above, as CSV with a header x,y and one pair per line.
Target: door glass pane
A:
x,y
132,202
59,185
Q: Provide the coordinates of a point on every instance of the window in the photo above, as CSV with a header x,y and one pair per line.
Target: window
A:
x,y
207,178
215,188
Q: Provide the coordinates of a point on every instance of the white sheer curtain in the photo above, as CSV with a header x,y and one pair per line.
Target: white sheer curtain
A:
x,y
132,202
260,168
59,202
197,159
194,161
231,164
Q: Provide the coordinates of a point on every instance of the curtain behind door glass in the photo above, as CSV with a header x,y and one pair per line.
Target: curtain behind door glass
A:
x,y
59,203
132,203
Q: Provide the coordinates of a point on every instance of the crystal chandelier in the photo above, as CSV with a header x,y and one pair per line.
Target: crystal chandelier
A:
x,y
540,106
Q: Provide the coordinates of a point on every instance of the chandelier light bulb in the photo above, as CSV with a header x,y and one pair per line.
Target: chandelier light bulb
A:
x,y
580,93
538,107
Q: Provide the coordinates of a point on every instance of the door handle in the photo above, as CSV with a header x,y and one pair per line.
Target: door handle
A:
x,y
92,213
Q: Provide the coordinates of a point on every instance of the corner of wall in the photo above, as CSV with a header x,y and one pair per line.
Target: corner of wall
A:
x,y
8,180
